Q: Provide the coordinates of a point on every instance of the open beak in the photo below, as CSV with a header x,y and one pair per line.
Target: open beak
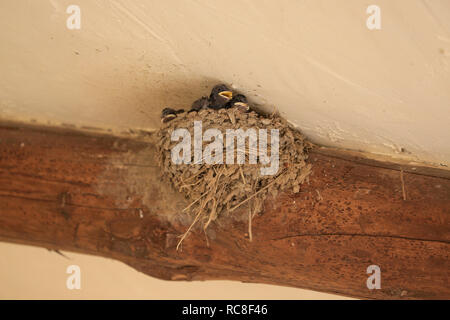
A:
x,y
168,118
227,95
242,106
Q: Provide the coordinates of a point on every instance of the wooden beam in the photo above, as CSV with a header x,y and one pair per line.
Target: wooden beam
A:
x,y
101,195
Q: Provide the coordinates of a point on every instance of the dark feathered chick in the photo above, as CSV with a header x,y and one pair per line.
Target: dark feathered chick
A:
x,y
199,104
217,89
168,114
239,101
220,96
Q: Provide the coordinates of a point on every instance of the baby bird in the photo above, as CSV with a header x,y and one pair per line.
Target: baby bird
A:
x,y
219,97
199,104
168,114
239,101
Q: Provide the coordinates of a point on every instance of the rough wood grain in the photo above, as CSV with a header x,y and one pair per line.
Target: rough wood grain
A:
x,y
102,195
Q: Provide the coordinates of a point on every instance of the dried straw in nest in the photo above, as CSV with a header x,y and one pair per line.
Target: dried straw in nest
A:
x,y
217,189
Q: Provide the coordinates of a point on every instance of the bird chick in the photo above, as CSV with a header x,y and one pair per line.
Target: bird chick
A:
x,y
168,114
239,101
219,97
199,104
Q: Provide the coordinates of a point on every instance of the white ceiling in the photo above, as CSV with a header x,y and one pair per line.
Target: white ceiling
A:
x,y
384,91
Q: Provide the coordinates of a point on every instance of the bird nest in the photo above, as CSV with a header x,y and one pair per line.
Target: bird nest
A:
x,y
218,187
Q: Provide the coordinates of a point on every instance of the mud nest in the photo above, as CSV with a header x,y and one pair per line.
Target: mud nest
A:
x,y
217,189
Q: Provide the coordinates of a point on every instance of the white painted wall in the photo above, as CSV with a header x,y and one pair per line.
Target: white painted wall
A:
x,y
382,91
36,273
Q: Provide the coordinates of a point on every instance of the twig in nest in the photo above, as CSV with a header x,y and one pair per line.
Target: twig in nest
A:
x,y
232,117
214,207
195,201
190,227
256,193
194,176
242,174
190,185
250,217
210,197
